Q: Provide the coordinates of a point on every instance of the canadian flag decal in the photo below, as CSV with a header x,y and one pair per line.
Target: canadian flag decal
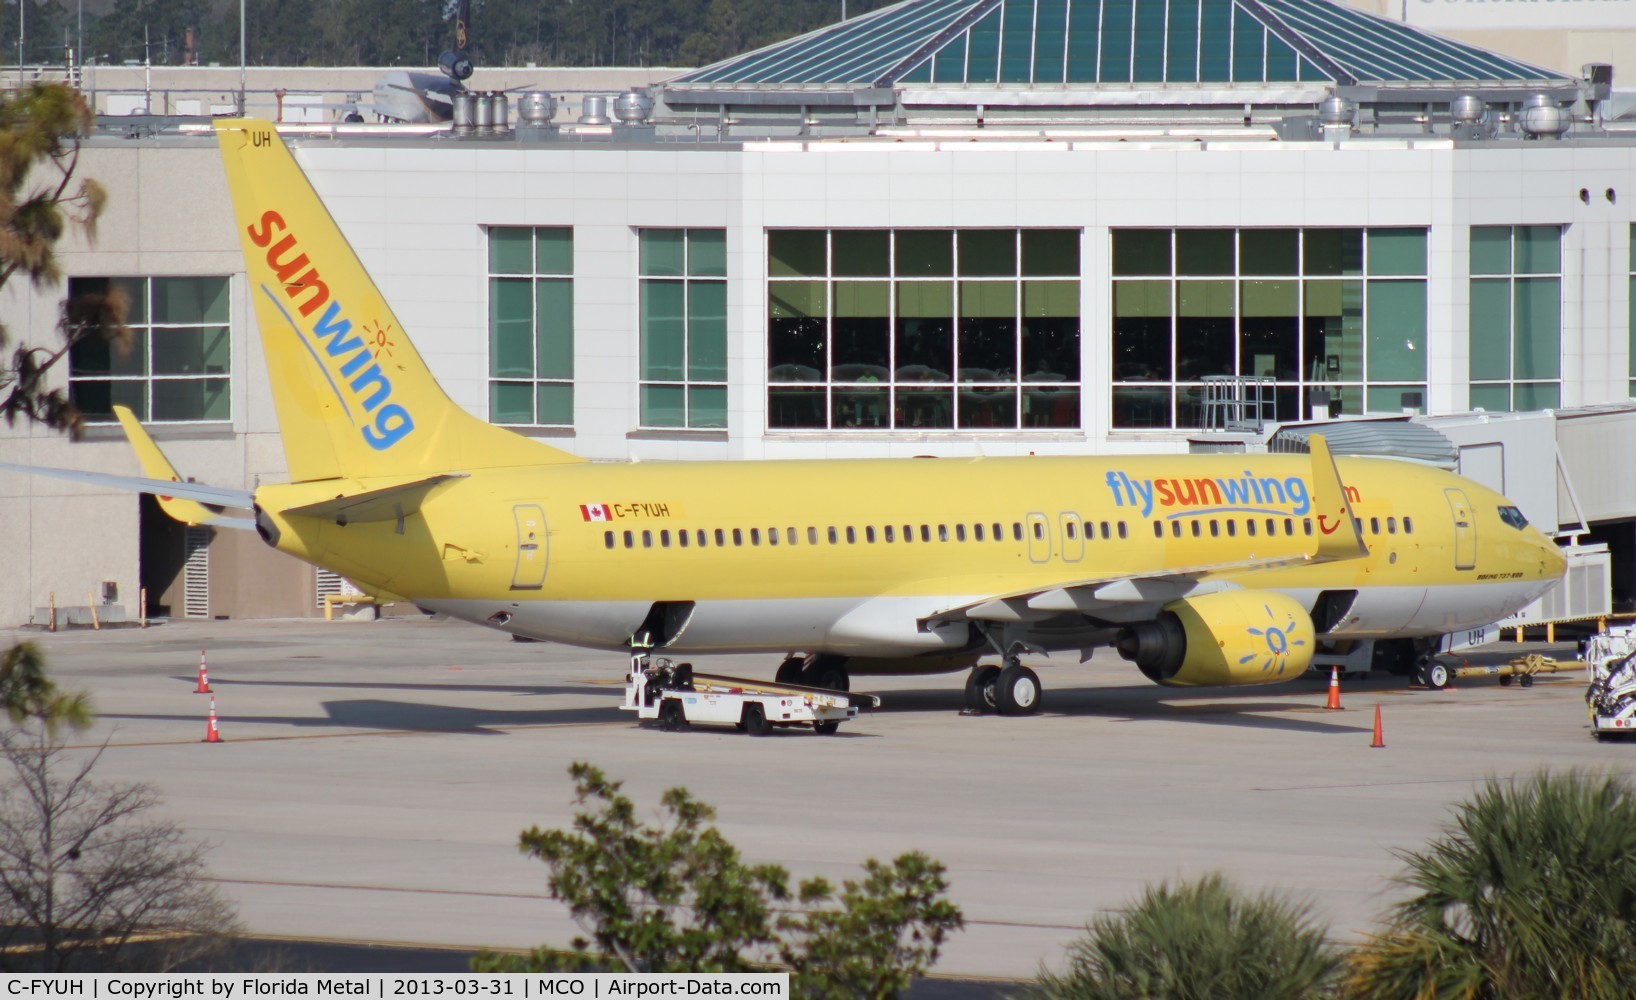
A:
x,y
594,511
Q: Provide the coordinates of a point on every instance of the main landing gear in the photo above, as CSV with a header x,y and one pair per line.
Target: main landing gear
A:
x,y
1010,690
823,670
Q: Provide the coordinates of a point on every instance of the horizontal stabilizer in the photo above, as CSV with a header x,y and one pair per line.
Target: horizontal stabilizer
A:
x,y
389,503
210,496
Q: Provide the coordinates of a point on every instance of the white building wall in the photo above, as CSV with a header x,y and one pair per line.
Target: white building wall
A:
x,y
416,211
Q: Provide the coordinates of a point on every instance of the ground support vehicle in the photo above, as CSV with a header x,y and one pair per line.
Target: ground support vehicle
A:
x,y
1610,663
674,697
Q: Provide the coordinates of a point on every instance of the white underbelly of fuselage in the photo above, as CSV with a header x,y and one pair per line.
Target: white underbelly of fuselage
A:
x,y
889,626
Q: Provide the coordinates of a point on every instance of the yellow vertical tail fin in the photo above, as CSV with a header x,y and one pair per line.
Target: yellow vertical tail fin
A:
x,y
354,398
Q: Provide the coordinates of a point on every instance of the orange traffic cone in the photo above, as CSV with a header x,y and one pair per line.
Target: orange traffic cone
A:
x,y
204,676
1334,704
1380,737
212,733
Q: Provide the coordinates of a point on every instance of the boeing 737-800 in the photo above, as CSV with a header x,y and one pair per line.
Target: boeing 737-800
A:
x,y
1202,569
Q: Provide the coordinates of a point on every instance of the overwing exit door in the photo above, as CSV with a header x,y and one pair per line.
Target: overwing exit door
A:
x,y
531,547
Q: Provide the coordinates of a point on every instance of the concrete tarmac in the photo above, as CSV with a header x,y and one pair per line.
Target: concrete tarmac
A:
x,y
375,777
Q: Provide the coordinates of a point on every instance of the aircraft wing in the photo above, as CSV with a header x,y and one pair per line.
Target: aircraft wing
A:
x,y
211,498
190,503
1125,597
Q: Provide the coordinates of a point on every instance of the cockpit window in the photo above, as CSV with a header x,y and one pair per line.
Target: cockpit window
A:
x,y
1513,517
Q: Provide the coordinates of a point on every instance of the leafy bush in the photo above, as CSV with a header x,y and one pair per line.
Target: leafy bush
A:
x,y
677,897
1198,941
1531,894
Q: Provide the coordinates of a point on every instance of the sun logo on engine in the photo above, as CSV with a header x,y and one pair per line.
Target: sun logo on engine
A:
x,y
1278,642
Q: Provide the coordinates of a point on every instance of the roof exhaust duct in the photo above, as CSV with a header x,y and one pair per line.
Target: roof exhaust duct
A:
x,y
1543,118
633,107
594,110
1336,116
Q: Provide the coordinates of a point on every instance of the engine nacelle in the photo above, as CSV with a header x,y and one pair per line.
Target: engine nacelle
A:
x,y
1229,637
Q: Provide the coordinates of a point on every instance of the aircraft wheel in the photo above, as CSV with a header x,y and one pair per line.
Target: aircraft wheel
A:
x,y
827,672
755,721
826,728
1505,681
980,688
1017,691
1527,680
1436,675
789,672
671,718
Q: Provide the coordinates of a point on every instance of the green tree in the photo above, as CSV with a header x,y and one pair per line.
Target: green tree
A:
x,y
41,200
678,897
29,695
1531,894
1198,940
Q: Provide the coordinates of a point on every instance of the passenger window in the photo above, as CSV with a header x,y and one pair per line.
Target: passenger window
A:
x,y
738,536
664,538
1391,525
647,539
1039,530
1106,534
1196,530
1071,530
868,534
977,531
812,536
681,537
833,536
772,536
1232,528
1175,529
942,532
999,532
1215,528
852,535
1122,533
889,533
1158,529
1289,525
1374,525
607,539
721,539
1408,525
1272,527
629,542
925,532
908,532
959,532
704,538
1016,531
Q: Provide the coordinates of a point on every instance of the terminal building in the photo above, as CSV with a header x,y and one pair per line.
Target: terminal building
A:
x,y
948,227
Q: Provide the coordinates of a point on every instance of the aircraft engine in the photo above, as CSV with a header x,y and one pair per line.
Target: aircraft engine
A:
x,y
1229,637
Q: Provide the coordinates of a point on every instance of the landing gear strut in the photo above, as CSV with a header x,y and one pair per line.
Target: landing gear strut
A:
x,y
1428,669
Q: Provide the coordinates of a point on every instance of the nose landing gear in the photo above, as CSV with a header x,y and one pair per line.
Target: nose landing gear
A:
x,y
1010,690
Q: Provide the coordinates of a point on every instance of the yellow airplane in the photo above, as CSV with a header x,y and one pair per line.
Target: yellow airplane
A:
x,y
1202,569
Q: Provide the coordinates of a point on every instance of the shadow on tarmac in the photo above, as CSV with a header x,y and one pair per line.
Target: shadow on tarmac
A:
x,y
399,716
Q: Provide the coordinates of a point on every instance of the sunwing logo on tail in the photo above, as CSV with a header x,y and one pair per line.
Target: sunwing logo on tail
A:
x,y
330,339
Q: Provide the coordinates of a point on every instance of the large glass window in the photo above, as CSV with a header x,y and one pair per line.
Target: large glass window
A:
x,y
1631,317
922,329
1342,311
531,325
684,327
178,361
1516,317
